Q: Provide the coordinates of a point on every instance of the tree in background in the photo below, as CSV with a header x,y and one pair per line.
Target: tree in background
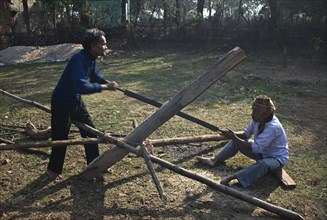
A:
x,y
247,23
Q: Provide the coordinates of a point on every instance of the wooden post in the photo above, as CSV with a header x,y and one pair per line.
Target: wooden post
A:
x,y
166,111
149,164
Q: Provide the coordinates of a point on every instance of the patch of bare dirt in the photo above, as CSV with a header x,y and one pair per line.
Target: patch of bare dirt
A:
x,y
32,54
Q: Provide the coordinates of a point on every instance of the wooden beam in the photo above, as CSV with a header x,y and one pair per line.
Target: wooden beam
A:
x,y
166,111
26,101
147,159
153,173
187,140
42,144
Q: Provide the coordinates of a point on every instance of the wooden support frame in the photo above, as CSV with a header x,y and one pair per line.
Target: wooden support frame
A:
x,y
184,172
166,111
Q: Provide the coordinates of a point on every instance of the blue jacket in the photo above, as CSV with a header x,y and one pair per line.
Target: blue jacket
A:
x,y
81,76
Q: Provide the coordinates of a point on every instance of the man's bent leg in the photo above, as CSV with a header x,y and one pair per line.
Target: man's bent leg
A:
x,y
251,174
228,151
91,150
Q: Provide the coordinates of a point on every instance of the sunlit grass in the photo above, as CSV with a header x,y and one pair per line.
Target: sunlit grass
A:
x,y
301,107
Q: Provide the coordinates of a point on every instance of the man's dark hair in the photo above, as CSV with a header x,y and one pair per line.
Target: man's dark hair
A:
x,y
91,36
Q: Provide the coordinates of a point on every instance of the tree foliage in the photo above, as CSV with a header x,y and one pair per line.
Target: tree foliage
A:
x,y
248,22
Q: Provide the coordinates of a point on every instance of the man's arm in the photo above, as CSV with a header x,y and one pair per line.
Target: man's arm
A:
x,y
110,85
239,137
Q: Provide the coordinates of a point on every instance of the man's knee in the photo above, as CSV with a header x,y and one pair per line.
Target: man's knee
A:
x,y
270,163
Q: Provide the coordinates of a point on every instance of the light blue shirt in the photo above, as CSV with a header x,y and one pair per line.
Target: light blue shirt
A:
x,y
271,143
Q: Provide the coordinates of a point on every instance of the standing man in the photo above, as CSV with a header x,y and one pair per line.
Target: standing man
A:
x,y
269,148
81,76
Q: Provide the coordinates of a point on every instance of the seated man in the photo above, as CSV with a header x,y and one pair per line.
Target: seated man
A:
x,y
269,148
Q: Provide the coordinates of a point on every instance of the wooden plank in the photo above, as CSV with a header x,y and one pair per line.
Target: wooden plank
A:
x,y
286,179
166,111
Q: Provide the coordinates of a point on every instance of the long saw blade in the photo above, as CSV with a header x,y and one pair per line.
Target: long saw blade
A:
x,y
181,114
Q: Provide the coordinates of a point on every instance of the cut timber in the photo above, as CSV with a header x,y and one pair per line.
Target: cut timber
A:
x,y
155,142
6,141
42,144
153,173
35,104
187,140
35,133
147,159
287,181
166,111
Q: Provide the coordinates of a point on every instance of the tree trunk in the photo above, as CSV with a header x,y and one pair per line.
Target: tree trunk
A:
x,y
178,14
240,12
273,15
123,11
26,16
199,8
165,17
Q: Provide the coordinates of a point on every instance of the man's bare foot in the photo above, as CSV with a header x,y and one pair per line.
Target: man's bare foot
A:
x,y
227,179
206,160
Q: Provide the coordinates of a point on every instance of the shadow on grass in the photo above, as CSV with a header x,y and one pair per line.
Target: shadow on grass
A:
x,y
86,199
215,208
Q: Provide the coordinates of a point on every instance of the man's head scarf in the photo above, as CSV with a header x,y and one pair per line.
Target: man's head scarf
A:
x,y
263,104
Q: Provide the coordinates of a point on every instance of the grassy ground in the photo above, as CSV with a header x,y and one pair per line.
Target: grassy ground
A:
x,y
299,92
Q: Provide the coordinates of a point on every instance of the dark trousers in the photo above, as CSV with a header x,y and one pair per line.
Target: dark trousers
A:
x,y
61,117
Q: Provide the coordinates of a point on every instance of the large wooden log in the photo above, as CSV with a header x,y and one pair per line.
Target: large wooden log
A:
x,y
187,140
35,104
155,142
209,182
42,144
166,111
2,140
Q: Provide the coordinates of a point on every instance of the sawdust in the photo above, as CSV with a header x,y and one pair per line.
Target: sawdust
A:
x,y
32,54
